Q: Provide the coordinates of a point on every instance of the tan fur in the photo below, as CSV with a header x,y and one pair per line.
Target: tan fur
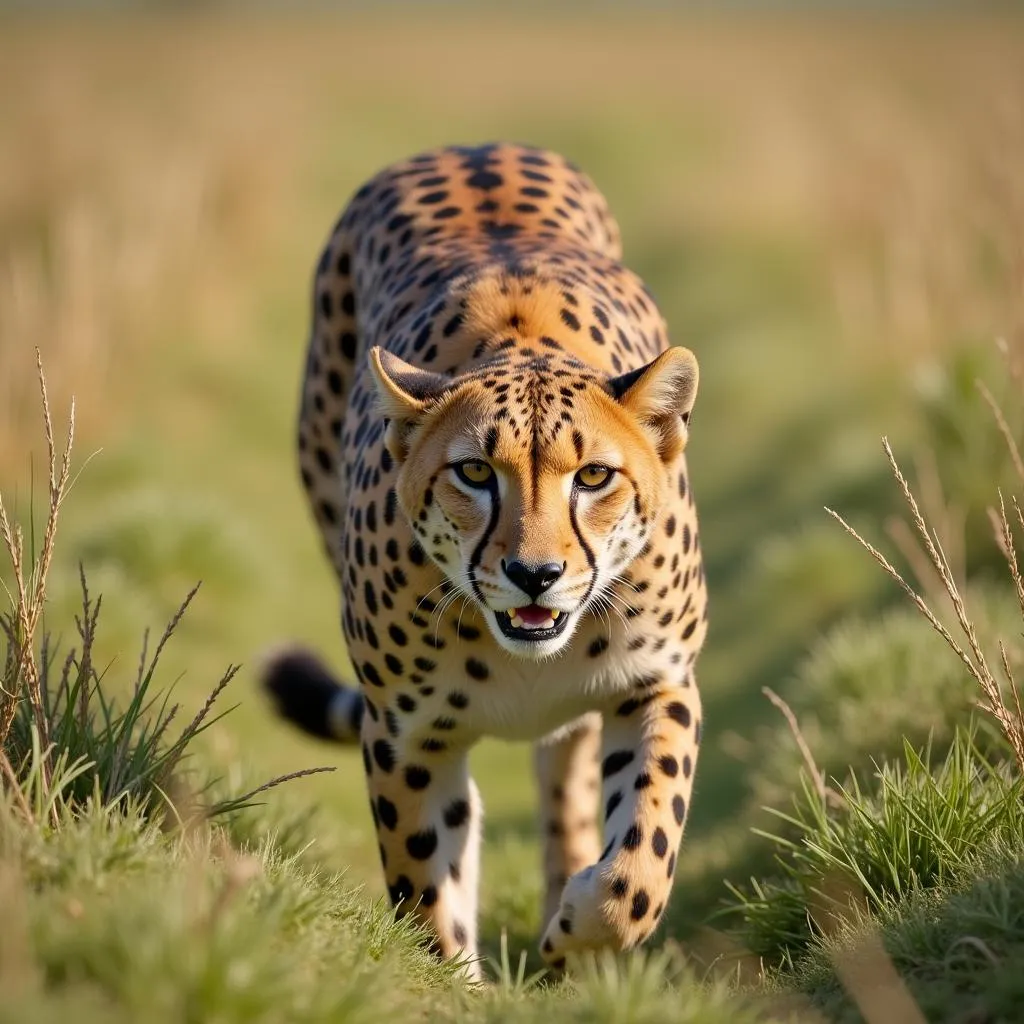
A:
x,y
499,305
474,299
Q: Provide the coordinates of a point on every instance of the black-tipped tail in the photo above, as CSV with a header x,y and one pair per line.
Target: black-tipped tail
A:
x,y
307,695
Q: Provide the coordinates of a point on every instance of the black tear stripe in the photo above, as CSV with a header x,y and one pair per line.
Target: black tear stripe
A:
x,y
478,551
591,561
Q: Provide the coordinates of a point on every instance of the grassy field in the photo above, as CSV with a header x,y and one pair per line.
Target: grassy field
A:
x,y
830,214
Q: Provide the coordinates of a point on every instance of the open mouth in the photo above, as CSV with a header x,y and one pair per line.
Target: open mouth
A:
x,y
531,622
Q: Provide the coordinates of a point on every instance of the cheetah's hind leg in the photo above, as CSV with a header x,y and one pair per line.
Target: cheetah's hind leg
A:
x,y
568,773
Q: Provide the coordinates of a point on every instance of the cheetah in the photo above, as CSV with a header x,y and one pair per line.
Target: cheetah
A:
x,y
491,439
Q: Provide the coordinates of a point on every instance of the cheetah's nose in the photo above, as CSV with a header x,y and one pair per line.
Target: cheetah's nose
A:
x,y
533,579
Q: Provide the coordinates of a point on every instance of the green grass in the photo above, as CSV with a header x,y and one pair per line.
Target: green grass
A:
x,y
823,212
871,847
869,684
131,894
125,753
960,949
124,923
145,926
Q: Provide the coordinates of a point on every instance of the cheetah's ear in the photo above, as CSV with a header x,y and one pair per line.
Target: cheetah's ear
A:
x,y
404,391
661,396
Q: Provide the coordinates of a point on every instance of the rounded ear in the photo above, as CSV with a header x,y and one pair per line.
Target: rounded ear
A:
x,y
404,392
661,395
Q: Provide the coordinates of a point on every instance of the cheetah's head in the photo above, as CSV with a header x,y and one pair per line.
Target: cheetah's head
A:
x,y
534,481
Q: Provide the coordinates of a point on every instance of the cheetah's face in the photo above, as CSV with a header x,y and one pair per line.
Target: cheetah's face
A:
x,y
533,484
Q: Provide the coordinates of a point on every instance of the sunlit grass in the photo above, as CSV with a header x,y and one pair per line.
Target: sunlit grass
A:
x,y
829,214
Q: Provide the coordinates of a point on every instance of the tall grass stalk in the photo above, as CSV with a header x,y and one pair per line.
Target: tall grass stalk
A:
x,y
21,670
64,739
1008,716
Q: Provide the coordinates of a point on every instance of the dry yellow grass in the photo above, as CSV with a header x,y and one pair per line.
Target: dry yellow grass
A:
x,y
149,166
161,176
21,676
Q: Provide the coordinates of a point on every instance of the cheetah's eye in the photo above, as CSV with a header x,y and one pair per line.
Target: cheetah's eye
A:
x,y
475,473
593,477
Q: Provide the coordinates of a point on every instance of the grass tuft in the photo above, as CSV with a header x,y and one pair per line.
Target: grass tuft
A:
x,y
868,849
65,739
21,671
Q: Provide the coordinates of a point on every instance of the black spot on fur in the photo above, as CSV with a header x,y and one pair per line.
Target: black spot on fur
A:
x,y
457,814
477,669
679,712
659,842
417,777
678,808
387,812
401,891
616,762
641,904
384,755
421,845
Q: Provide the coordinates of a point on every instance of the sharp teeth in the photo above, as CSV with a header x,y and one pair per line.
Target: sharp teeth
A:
x,y
517,622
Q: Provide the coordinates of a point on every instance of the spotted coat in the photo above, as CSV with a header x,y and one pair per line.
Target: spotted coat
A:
x,y
491,438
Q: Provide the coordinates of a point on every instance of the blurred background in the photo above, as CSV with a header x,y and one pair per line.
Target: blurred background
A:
x,y
828,206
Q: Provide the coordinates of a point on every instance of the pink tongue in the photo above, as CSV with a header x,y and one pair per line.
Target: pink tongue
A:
x,y
533,614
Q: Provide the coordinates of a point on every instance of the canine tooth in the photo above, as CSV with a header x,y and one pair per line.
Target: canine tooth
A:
x,y
555,613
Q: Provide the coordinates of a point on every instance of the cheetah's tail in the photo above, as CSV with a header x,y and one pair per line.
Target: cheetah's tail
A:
x,y
306,694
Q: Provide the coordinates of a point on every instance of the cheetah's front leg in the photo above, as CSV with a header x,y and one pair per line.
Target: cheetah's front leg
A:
x,y
427,812
650,751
